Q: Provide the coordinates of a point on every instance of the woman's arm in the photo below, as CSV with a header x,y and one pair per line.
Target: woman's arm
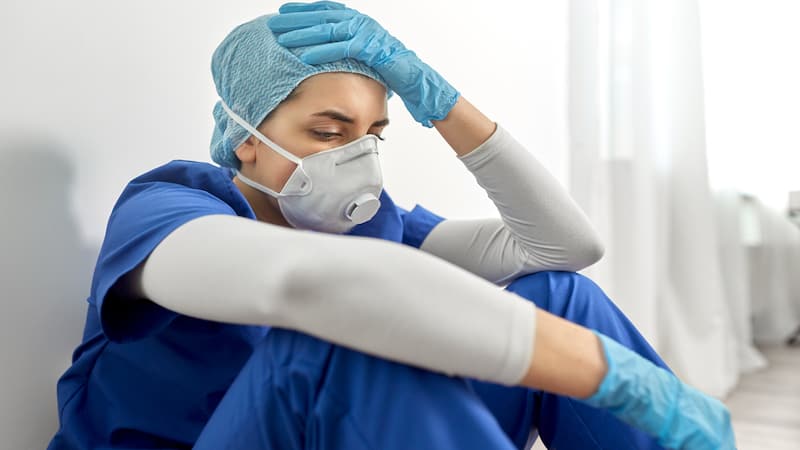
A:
x,y
375,296
371,295
541,227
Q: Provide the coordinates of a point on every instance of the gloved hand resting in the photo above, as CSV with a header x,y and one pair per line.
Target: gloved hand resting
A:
x,y
333,32
650,398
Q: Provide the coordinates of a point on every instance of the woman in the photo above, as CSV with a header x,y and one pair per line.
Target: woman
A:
x,y
295,231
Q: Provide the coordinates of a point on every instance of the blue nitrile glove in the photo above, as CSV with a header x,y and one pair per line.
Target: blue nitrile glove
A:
x,y
333,32
650,398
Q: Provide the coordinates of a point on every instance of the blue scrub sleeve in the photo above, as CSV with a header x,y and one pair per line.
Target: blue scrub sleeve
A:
x,y
144,215
417,224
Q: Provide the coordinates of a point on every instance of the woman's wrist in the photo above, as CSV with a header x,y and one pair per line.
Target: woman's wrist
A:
x,y
465,127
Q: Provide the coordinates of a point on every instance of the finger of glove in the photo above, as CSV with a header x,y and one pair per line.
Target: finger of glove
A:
x,y
318,34
326,53
295,21
293,7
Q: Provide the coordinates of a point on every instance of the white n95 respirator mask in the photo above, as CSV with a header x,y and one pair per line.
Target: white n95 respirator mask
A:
x,y
330,191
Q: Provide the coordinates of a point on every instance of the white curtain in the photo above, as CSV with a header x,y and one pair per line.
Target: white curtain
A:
x,y
774,254
639,168
738,231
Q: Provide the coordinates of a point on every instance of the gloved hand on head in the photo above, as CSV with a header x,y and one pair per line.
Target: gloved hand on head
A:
x,y
331,32
650,398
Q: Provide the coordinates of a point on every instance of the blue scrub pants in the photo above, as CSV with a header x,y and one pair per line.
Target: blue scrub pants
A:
x,y
300,393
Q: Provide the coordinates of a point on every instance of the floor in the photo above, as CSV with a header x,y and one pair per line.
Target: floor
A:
x,y
766,404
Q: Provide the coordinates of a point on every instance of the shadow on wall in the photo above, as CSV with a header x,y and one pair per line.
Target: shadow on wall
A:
x,y
45,271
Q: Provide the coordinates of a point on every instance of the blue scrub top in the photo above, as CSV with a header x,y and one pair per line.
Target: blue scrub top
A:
x,y
147,377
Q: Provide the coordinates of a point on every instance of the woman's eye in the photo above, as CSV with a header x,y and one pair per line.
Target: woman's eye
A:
x,y
325,135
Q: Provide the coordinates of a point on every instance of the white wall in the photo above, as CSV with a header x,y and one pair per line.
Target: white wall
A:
x,y
96,92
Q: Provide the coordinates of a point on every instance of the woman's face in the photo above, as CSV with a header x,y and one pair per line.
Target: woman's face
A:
x,y
325,111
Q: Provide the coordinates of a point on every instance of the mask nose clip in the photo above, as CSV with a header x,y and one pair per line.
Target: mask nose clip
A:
x,y
363,208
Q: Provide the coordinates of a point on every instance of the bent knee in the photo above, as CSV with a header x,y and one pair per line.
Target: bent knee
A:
x,y
550,290
550,280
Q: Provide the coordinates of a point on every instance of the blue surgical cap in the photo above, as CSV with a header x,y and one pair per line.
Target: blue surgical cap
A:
x,y
253,75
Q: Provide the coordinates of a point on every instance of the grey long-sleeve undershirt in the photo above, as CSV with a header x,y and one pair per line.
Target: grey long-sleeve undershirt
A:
x,y
541,227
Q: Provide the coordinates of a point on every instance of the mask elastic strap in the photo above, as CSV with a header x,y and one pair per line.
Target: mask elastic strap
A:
x,y
258,186
277,148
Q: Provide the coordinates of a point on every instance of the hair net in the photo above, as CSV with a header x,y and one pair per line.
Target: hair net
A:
x,y
253,75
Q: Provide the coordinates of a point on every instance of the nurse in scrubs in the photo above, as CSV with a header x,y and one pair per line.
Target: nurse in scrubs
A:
x,y
281,300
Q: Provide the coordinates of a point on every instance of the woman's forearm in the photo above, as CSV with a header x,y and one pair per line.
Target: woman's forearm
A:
x,y
567,358
465,127
371,295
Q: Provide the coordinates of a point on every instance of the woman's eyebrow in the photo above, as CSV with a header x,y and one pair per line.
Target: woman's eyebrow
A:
x,y
381,123
336,115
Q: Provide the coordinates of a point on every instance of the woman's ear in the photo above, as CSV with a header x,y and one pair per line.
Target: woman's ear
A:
x,y
246,152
